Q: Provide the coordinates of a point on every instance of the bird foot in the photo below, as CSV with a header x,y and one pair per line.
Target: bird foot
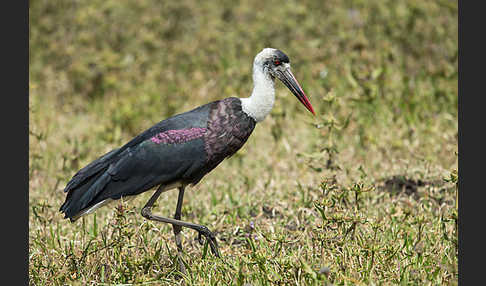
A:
x,y
182,267
200,239
210,238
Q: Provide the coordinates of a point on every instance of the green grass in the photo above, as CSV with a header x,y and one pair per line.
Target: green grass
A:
x,y
365,193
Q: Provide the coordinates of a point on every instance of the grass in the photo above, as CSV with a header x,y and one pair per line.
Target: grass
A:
x,y
365,193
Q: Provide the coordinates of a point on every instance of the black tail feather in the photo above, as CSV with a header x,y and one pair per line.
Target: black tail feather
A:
x,y
91,169
81,198
86,184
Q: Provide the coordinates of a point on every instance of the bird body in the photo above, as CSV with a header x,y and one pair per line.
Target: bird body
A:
x,y
181,150
177,151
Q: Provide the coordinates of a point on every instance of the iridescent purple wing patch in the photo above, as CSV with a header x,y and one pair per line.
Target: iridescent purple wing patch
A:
x,y
178,136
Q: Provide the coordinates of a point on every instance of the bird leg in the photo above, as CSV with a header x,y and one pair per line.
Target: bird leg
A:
x,y
178,229
177,223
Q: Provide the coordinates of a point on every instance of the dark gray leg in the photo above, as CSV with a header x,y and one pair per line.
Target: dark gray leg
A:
x,y
177,230
177,223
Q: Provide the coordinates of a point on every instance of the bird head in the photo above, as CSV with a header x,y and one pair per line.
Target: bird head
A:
x,y
276,64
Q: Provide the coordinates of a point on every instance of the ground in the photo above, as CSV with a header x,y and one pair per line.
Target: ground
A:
x,y
364,193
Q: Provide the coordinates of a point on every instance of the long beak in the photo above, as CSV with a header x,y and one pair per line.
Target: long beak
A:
x,y
291,82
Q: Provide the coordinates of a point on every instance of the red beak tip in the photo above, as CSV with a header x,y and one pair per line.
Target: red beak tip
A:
x,y
310,108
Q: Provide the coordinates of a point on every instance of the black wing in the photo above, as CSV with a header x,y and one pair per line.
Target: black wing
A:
x,y
138,165
194,118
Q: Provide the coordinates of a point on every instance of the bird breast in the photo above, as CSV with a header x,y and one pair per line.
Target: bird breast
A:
x,y
227,130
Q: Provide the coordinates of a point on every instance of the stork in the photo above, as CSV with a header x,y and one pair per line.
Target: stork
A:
x,y
180,150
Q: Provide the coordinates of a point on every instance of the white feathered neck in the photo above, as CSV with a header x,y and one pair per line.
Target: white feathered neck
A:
x,y
262,98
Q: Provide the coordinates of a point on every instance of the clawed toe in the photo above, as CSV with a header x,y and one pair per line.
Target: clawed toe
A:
x,y
211,240
200,239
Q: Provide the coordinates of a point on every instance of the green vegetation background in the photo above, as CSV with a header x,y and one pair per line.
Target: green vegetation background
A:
x,y
363,193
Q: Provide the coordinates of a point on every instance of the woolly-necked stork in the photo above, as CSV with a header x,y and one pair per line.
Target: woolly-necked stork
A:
x,y
180,150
